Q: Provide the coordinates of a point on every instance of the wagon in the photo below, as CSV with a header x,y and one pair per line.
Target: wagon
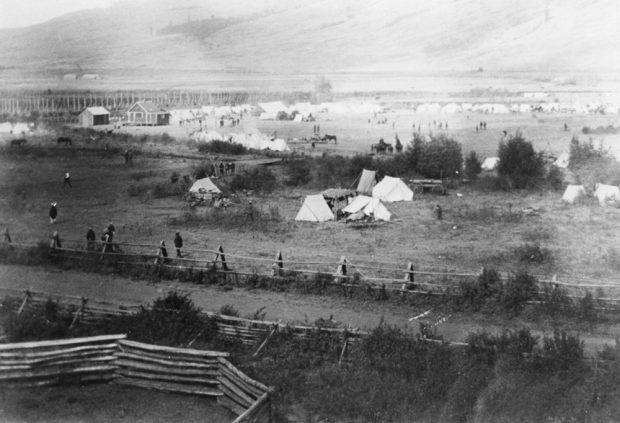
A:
x,y
436,186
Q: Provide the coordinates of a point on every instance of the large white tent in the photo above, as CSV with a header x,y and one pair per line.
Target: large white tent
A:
x,y
490,163
392,189
204,187
314,209
562,161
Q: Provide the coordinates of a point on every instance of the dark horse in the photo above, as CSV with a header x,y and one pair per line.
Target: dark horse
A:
x,y
328,138
64,140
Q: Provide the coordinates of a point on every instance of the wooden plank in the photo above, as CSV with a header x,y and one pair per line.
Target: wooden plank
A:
x,y
105,377
168,387
228,403
243,376
139,366
172,378
54,353
128,360
251,390
229,388
254,408
61,342
169,356
56,362
182,351
52,373
165,361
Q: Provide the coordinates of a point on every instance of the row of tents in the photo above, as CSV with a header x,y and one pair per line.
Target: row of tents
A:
x,y
316,209
605,194
491,163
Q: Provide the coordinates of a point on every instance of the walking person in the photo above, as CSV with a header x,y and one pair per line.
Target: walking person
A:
x,y
53,213
67,180
178,244
90,239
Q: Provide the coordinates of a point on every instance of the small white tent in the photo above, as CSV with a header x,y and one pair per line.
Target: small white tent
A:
x,y
606,193
562,161
367,181
357,204
490,163
573,193
314,209
392,189
204,186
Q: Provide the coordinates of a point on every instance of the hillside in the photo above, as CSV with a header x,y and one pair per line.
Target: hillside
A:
x,y
156,40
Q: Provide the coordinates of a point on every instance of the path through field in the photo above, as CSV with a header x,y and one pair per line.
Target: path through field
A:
x,y
287,307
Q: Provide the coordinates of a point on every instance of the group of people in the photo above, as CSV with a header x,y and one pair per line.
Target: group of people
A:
x,y
227,168
316,129
482,125
178,244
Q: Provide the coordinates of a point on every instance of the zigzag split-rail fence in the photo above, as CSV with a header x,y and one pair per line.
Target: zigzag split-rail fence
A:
x,y
114,359
350,274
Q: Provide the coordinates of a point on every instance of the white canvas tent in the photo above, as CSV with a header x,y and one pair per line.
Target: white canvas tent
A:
x,y
562,161
490,163
606,193
204,187
314,209
206,136
573,193
369,206
392,189
367,181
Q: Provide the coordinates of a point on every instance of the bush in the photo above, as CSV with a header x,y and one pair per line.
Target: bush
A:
x,y
473,167
222,147
518,290
259,179
298,172
533,253
440,158
582,153
229,310
519,163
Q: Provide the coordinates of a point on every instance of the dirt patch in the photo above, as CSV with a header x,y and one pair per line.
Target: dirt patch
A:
x,y
106,403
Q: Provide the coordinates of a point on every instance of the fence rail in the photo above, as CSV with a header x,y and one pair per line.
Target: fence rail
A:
x,y
113,358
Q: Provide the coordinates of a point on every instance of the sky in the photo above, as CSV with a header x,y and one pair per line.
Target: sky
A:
x,y
21,13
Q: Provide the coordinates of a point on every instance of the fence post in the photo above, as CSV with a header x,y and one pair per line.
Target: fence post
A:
x,y
7,236
409,279
27,296
278,264
262,345
79,312
222,257
341,270
344,348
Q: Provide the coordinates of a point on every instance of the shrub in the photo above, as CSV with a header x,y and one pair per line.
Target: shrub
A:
x,y
174,177
518,290
533,253
257,179
440,158
519,163
555,178
473,167
582,153
298,172
229,310
222,147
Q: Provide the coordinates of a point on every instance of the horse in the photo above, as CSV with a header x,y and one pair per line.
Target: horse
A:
x,y
328,138
64,140
18,142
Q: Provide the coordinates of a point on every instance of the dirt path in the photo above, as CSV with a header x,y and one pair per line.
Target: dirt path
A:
x,y
287,307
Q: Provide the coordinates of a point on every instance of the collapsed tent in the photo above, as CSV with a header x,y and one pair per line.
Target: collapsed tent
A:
x,y
367,181
368,206
204,188
490,163
314,209
392,189
573,193
606,193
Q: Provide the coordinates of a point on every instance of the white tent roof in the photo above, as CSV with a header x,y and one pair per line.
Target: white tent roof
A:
x,y
98,110
490,163
573,192
357,204
204,185
392,189
277,144
314,209
6,127
367,181
378,211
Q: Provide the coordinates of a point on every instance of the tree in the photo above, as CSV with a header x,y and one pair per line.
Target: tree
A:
x,y
519,163
440,158
473,167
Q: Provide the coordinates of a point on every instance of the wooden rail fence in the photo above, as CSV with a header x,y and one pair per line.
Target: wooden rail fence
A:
x,y
114,359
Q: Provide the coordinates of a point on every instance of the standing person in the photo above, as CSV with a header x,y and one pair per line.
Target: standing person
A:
x,y
107,237
438,212
67,180
178,243
222,169
162,251
90,239
53,212
55,243
249,212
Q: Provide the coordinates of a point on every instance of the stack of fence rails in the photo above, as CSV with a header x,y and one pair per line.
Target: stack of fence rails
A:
x,y
77,360
259,412
249,332
169,369
240,391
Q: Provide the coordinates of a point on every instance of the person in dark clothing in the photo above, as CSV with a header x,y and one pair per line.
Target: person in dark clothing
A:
x,y
178,244
90,239
53,212
107,237
438,212
221,169
67,180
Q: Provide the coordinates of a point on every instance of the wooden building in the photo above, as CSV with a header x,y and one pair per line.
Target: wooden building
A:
x,y
92,116
147,113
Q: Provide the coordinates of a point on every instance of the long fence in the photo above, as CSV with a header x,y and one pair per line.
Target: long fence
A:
x,y
114,359
349,273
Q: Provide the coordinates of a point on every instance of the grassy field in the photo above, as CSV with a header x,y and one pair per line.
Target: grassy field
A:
x,y
479,227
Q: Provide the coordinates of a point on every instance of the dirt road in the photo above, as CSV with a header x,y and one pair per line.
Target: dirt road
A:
x,y
287,307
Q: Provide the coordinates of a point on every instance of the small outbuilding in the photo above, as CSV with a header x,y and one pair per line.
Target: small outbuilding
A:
x,y
147,113
93,116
